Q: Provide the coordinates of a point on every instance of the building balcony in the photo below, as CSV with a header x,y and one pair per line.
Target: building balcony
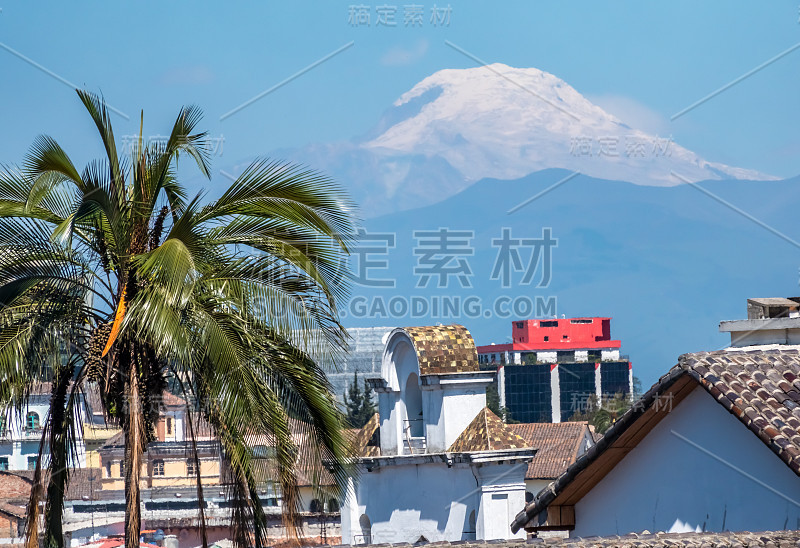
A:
x,y
29,434
21,435
413,443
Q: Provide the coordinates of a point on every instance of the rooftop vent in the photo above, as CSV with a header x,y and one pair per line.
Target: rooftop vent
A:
x,y
773,307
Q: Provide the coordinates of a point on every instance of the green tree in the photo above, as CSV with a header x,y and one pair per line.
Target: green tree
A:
x,y
493,403
602,414
368,405
359,405
116,275
493,399
637,388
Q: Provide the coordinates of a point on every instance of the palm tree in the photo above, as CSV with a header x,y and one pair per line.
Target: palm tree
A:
x,y
113,276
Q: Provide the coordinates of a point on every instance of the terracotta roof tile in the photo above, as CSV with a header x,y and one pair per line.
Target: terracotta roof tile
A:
x,y
767,392
444,349
487,432
557,444
362,437
745,539
81,484
760,372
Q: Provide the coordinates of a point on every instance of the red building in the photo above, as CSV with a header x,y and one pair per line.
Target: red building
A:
x,y
553,368
573,339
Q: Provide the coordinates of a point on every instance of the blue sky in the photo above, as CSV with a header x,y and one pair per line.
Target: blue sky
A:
x,y
644,61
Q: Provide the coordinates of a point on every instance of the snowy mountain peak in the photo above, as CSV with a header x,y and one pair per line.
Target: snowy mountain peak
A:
x,y
505,122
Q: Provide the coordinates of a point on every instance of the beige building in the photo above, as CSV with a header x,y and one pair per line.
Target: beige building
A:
x,y
169,461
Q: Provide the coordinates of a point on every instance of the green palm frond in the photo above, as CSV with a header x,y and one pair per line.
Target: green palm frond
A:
x,y
113,274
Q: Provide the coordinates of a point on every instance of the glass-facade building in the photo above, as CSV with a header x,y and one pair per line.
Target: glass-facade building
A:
x,y
527,390
527,393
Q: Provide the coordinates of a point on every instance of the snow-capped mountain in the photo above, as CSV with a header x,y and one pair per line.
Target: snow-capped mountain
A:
x,y
461,125
504,122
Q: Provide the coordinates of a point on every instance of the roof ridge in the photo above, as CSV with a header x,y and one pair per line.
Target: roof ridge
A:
x,y
578,444
737,380
486,427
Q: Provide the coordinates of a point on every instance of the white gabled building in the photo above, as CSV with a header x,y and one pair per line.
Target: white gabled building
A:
x,y
438,464
714,445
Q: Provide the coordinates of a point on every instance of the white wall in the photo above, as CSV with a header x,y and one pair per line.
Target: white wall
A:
x,y
547,356
609,354
757,336
502,495
405,502
399,362
667,484
448,410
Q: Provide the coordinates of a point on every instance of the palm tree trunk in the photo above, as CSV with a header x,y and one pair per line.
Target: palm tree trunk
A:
x,y
59,451
134,448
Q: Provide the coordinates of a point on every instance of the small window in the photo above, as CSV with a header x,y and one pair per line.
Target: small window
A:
x,y
32,462
32,421
546,338
528,497
552,323
122,468
333,505
3,463
2,426
520,325
191,470
158,467
316,506
108,469
169,426
565,337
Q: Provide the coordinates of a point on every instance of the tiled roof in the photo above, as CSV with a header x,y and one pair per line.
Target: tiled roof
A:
x,y
558,446
487,432
728,539
168,399
15,488
362,436
760,387
443,349
117,440
81,484
13,510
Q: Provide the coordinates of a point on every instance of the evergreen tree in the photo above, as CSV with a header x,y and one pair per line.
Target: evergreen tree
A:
x,y
493,403
359,404
354,403
367,404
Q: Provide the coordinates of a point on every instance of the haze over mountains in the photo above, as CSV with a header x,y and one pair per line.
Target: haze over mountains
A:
x,y
667,263
461,125
463,148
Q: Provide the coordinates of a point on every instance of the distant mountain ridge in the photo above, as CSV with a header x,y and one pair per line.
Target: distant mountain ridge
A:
x,y
458,126
667,263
